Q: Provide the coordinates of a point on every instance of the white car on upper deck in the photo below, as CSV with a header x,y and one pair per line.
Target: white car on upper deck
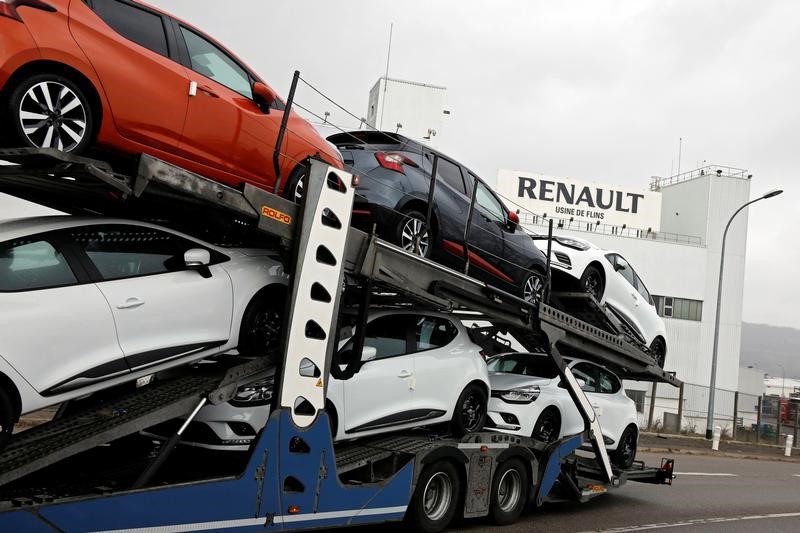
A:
x,y
610,278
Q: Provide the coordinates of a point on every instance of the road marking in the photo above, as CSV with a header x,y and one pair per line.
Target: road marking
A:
x,y
705,474
695,522
796,475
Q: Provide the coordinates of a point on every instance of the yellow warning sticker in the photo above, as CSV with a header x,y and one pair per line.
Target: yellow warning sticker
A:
x,y
319,382
274,214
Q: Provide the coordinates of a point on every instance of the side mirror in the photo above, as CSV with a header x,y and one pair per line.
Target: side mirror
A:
x,y
581,382
620,265
198,259
513,219
264,96
368,353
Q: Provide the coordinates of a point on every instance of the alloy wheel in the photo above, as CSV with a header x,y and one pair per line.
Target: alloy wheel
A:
x,y
627,448
298,191
532,290
266,327
546,430
471,411
414,236
53,116
592,285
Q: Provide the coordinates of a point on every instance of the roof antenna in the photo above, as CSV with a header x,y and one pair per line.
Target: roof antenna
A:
x,y
386,76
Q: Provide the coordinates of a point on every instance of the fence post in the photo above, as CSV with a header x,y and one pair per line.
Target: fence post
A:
x,y
652,406
796,420
778,423
735,414
680,408
758,420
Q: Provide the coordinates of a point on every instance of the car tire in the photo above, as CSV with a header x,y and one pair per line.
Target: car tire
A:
x,y
548,426
658,349
7,418
412,234
625,453
295,184
261,332
509,492
592,282
533,288
436,498
39,124
469,414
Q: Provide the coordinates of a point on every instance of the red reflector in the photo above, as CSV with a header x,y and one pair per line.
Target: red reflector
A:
x,y
484,448
293,509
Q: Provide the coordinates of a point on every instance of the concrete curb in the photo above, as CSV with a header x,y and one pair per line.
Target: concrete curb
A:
x,y
711,453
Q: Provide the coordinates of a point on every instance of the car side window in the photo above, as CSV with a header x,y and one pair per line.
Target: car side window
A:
x,y
588,373
123,251
134,23
625,269
609,384
451,174
642,289
388,334
33,263
485,200
207,59
433,332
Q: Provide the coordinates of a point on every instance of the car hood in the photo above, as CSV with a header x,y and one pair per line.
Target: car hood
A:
x,y
508,381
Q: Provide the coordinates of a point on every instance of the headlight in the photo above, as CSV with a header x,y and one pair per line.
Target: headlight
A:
x,y
256,393
521,395
571,243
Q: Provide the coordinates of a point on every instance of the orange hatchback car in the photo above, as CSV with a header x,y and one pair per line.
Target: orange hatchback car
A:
x,y
128,77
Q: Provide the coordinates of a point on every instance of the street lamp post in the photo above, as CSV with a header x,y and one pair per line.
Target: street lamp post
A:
x,y
712,385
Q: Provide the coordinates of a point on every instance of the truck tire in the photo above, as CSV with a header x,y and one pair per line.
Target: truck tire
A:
x,y
436,498
510,488
6,418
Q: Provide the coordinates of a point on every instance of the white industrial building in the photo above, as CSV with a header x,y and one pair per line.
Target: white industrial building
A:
x,y
415,110
677,255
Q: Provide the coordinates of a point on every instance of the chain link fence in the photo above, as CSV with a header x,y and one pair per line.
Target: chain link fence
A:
x,y
741,416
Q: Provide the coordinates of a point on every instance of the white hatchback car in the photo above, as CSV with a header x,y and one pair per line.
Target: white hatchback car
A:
x,y
418,368
613,282
528,399
89,303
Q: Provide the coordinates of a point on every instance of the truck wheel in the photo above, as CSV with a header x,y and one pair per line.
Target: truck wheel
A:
x,y
436,497
509,492
6,418
469,414
51,111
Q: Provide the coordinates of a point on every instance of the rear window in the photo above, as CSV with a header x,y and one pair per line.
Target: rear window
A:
x,y
525,365
134,23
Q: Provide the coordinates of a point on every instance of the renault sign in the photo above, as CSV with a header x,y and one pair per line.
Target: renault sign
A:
x,y
565,198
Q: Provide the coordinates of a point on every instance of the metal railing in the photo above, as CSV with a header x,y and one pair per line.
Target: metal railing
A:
x,y
657,182
530,219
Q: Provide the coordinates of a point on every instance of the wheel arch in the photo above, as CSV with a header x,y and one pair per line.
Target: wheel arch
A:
x,y
275,288
599,266
13,393
413,203
45,66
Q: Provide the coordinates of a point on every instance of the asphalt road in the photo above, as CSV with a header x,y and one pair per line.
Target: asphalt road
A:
x,y
710,494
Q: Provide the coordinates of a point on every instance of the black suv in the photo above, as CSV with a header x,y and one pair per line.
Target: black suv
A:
x,y
393,195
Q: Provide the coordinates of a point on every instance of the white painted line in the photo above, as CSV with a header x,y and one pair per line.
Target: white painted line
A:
x,y
796,475
695,522
719,474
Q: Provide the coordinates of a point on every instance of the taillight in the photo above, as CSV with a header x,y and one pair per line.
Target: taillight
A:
x,y
483,355
394,161
8,8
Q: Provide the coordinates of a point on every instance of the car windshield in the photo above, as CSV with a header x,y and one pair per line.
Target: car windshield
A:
x,y
524,364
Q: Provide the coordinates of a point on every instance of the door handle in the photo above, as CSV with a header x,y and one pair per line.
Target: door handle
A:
x,y
130,303
209,91
405,374
633,295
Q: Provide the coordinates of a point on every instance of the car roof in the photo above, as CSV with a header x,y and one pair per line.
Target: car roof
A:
x,y
22,227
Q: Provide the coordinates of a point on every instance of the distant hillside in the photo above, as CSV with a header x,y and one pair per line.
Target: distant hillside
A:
x,y
769,346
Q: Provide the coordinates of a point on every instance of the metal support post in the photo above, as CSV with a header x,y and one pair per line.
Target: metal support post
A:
x,y
546,296
758,419
778,423
735,414
680,409
469,225
652,405
276,155
431,192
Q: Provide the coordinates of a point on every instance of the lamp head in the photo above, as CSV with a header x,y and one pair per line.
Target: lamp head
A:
x,y
772,193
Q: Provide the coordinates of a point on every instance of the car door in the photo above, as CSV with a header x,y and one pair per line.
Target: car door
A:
x,y
621,292
225,128
161,309
438,361
487,240
452,198
56,328
133,51
381,393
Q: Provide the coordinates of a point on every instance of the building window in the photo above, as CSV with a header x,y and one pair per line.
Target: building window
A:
x,y
682,308
638,397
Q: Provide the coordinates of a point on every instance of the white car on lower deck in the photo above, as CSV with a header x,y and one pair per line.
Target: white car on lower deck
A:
x,y
529,400
610,278
418,368
90,303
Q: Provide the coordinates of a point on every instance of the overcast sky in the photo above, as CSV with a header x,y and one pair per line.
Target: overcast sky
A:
x,y
592,90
